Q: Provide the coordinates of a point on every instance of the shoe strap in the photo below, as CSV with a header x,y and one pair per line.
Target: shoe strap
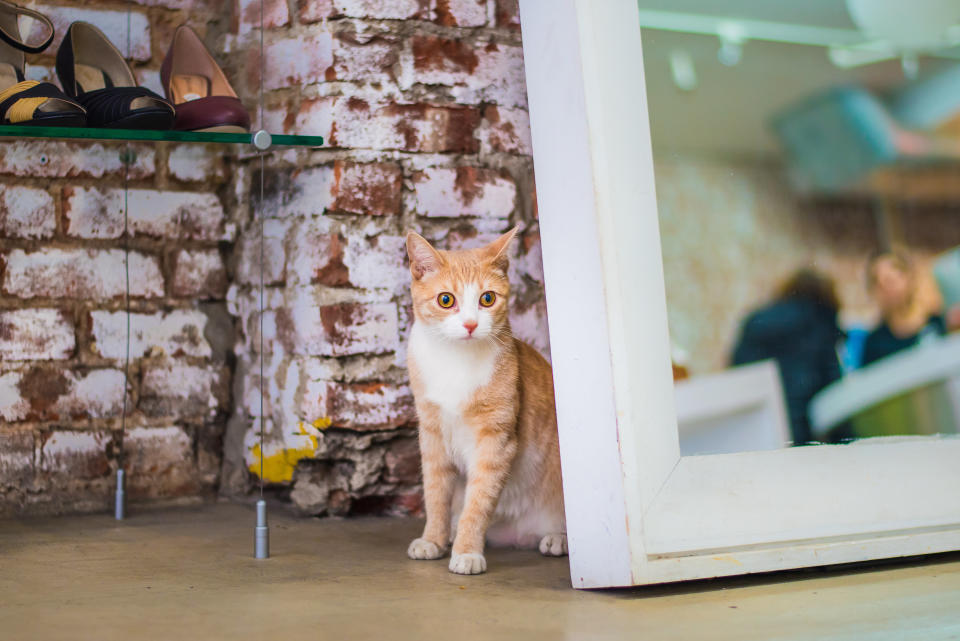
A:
x,y
108,105
14,39
18,103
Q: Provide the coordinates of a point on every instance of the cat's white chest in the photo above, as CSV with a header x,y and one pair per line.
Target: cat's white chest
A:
x,y
450,374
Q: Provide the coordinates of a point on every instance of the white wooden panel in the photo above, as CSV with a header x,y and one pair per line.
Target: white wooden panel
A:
x,y
579,343
705,516
805,493
626,206
800,555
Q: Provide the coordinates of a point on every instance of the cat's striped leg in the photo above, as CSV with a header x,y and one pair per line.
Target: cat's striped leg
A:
x,y
439,476
493,458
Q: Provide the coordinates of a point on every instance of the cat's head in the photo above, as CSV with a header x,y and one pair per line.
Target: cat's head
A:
x,y
461,295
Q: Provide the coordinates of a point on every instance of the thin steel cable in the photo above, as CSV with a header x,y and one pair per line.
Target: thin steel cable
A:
x,y
262,72
261,325
127,160
263,68
126,299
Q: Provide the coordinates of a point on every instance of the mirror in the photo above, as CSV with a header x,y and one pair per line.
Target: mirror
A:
x,y
807,162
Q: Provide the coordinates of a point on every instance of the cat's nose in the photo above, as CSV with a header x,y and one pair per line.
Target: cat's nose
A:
x,y
470,325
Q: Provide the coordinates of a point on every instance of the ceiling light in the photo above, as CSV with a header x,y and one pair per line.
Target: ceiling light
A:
x,y
730,52
682,70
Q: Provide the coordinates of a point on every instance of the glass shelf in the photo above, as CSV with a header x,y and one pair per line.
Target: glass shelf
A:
x,y
136,135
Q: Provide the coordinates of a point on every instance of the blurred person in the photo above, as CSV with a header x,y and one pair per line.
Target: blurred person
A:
x,y
909,305
799,330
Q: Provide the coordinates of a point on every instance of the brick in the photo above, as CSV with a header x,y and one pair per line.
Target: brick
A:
x,y
462,191
49,159
36,334
75,455
408,127
185,5
13,406
461,13
526,260
358,406
150,78
80,274
529,324
338,330
97,213
248,266
199,274
316,10
296,192
96,393
475,233
159,463
40,73
16,456
176,333
369,62
46,393
246,15
402,461
507,13
181,390
378,263
194,163
341,468
26,212
292,62
482,72
348,473
112,23
505,130
314,117
314,255
367,188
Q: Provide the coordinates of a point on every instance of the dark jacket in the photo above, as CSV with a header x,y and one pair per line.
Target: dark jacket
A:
x,y
882,341
801,335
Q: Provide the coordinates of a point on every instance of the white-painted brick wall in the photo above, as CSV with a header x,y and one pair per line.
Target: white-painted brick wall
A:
x,y
26,212
180,332
80,274
36,334
96,213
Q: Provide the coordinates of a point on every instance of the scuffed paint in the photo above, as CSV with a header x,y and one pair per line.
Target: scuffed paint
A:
x,y
726,558
278,467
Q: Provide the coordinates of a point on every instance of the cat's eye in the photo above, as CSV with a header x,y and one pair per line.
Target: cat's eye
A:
x,y
487,299
446,300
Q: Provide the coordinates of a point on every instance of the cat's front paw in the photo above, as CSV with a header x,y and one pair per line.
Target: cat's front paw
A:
x,y
422,549
468,563
553,545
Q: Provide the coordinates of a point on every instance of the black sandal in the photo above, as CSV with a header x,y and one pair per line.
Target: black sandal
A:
x,y
28,102
94,72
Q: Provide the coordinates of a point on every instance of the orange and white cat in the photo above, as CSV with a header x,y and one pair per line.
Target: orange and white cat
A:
x,y
488,426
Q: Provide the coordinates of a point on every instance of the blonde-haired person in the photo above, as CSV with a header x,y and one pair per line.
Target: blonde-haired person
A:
x,y
910,305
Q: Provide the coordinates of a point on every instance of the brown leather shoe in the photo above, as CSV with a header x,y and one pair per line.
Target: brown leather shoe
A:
x,y
194,83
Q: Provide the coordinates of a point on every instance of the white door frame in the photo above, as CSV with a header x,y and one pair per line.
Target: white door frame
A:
x,y
638,513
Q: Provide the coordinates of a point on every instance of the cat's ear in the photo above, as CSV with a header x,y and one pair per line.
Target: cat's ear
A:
x,y
424,259
497,250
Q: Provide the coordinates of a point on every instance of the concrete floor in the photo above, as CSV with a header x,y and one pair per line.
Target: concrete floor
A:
x,y
188,573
